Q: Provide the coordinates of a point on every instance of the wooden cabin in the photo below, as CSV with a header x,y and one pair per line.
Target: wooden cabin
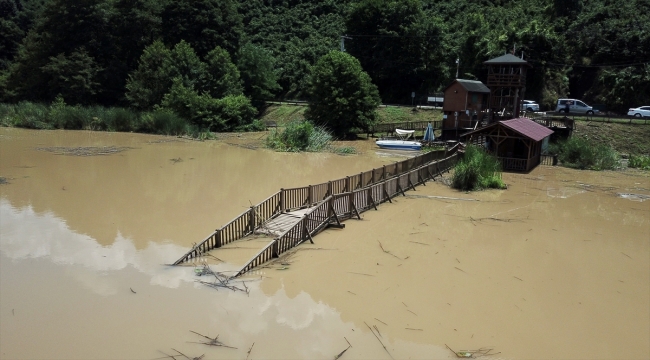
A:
x,y
463,107
517,143
507,82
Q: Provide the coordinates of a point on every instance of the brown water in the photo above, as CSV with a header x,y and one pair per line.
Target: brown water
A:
x,y
557,266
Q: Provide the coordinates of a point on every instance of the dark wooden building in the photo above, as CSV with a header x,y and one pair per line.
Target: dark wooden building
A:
x,y
517,143
507,82
463,107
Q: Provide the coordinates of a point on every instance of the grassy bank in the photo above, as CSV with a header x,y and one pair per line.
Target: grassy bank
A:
x,y
282,114
624,138
581,153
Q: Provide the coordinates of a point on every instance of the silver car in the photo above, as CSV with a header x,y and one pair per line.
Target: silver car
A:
x,y
574,106
530,105
641,111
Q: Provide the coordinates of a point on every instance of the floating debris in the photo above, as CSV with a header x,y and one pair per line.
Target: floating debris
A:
x,y
84,150
563,193
634,197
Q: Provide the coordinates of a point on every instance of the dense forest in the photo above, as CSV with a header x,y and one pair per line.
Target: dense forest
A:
x,y
215,61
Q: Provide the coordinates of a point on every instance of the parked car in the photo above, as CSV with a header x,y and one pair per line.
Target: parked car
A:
x,y
575,106
530,105
641,111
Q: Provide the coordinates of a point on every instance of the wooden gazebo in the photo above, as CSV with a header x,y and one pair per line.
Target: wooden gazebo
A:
x,y
517,143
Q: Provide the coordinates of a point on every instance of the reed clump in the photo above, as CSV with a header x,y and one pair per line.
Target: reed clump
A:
x,y
477,170
300,136
581,153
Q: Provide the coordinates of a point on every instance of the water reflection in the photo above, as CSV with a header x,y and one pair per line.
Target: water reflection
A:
x,y
50,273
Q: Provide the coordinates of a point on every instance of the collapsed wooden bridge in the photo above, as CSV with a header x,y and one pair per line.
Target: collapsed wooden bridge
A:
x,y
295,215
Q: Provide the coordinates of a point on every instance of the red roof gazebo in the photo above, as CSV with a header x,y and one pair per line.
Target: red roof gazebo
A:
x,y
517,143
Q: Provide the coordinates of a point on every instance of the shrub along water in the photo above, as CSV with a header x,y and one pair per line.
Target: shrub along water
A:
x,y
477,170
640,162
580,153
162,121
303,136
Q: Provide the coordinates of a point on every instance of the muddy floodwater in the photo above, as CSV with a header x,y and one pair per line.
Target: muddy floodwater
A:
x,y
555,267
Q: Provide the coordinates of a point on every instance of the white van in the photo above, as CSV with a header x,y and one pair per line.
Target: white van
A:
x,y
574,106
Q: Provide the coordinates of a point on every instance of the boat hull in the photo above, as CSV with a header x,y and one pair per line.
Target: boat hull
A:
x,y
399,145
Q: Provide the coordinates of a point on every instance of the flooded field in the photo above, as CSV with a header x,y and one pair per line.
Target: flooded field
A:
x,y
557,266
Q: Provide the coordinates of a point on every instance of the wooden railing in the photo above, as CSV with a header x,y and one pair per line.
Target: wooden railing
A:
x,y
550,160
297,198
336,208
557,122
408,125
512,164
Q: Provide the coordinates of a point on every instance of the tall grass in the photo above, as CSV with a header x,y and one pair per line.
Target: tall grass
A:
x,y
303,136
477,170
58,115
580,153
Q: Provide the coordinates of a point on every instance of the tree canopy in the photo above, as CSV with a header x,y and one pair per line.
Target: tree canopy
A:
x,y
342,95
91,51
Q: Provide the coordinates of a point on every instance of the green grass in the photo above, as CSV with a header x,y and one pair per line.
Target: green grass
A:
x,y
477,170
285,113
582,153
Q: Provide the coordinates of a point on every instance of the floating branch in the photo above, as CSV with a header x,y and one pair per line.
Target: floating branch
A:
x,y
472,354
378,339
212,342
386,251
220,280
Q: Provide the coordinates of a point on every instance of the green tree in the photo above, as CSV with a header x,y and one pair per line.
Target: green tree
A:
x,y
205,24
148,84
402,49
64,27
222,75
73,76
256,68
342,94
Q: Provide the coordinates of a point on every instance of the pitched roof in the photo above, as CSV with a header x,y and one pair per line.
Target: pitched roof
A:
x,y
523,126
506,59
528,128
472,86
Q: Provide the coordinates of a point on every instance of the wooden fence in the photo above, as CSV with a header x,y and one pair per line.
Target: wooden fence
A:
x,y
297,198
409,125
336,208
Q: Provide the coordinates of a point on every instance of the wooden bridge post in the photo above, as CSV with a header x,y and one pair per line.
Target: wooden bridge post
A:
x,y
218,239
252,219
329,188
361,182
309,195
348,184
383,173
282,200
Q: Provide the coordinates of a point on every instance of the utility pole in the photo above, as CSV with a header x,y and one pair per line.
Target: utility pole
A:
x,y
343,37
457,66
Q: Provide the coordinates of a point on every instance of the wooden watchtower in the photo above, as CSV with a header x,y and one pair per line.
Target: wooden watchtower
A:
x,y
507,82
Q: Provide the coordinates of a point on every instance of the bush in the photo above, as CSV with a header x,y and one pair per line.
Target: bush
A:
x,y
162,122
120,119
640,162
580,153
27,115
304,136
477,170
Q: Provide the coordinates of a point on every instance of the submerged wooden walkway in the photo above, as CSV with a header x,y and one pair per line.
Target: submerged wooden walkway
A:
x,y
293,216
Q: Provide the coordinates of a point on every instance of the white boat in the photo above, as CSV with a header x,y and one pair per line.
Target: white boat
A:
x,y
402,143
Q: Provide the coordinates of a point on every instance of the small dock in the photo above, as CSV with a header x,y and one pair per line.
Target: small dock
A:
x,y
293,216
